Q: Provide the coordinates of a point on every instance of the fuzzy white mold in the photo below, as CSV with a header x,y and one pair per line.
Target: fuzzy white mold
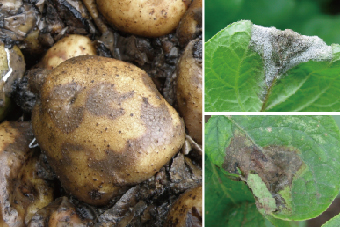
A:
x,y
282,50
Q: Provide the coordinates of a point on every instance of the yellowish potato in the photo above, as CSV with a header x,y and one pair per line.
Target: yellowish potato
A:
x,y
66,48
187,210
191,23
23,191
189,91
61,212
104,126
152,18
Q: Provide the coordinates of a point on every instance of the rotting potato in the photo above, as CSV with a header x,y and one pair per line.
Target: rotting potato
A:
x,y
189,89
191,24
187,210
103,126
151,18
66,48
60,212
23,191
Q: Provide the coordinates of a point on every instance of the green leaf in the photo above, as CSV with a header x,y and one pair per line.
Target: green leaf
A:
x,y
253,68
217,135
334,222
221,194
296,157
245,214
233,72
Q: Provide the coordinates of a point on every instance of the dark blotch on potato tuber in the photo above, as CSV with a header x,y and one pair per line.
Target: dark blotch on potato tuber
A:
x,y
104,126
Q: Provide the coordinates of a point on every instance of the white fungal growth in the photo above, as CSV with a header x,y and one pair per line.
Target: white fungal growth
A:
x,y
282,50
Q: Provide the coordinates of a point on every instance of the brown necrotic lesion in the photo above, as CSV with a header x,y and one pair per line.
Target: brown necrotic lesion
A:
x,y
63,109
275,164
104,100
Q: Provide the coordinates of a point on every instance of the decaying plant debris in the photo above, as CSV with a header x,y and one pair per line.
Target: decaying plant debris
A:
x,y
35,26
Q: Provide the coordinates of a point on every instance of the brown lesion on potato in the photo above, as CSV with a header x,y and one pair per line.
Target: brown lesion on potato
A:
x,y
158,126
103,97
276,165
66,114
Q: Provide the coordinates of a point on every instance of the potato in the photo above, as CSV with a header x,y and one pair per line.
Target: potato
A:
x,y
191,24
104,126
189,90
187,210
61,212
66,48
152,18
23,192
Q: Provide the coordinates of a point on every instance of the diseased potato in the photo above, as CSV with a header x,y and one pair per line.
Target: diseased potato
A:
x,y
103,126
22,191
191,24
189,89
151,18
60,212
66,48
187,210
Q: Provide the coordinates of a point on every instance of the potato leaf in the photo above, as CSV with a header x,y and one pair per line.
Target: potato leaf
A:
x,y
231,203
254,68
295,156
334,222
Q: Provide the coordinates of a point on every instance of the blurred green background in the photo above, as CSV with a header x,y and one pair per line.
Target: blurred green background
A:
x,y
337,120
308,17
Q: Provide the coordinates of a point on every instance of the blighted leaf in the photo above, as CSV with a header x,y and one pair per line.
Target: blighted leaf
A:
x,y
224,197
293,155
334,222
254,68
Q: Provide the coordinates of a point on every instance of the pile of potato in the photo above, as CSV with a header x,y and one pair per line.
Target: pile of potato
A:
x,y
87,136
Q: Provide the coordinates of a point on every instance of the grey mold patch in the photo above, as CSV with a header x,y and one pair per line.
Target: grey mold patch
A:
x,y
282,50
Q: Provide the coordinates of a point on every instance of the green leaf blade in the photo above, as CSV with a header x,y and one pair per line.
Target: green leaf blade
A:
x,y
221,194
217,134
232,70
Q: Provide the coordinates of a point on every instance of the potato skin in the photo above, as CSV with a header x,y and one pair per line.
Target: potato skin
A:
x,y
104,126
187,210
66,48
191,23
151,18
189,92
